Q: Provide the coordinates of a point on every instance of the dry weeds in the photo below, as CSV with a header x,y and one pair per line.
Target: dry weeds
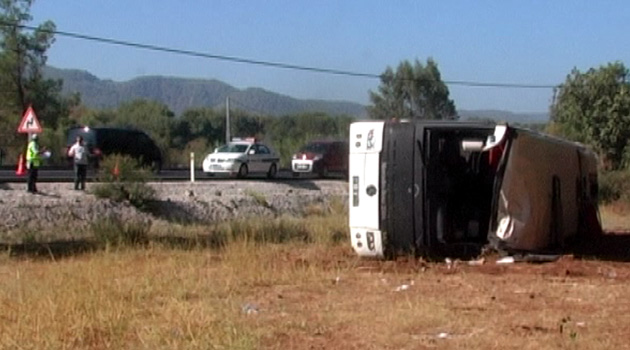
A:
x,y
252,294
615,217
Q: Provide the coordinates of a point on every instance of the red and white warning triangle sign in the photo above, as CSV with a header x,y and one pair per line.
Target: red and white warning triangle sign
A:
x,y
30,123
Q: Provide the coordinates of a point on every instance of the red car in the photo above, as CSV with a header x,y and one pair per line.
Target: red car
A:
x,y
321,158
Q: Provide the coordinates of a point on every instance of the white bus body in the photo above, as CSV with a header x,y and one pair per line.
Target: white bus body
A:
x,y
366,142
450,188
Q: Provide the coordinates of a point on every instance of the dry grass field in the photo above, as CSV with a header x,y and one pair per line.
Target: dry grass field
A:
x,y
307,291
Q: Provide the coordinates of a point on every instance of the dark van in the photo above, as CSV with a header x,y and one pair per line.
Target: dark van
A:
x,y
105,141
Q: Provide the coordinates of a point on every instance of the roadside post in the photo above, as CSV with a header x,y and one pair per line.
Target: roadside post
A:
x,y
192,167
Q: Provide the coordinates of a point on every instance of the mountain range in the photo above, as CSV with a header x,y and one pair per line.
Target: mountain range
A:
x,y
180,94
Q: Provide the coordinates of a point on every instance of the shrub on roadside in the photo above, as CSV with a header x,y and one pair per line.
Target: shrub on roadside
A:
x,y
258,197
123,179
614,186
122,168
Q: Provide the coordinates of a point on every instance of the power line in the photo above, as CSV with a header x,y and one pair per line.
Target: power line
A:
x,y
264,63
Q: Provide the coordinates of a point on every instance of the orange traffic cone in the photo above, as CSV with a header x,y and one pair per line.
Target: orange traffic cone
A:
x,y
116,171
21,168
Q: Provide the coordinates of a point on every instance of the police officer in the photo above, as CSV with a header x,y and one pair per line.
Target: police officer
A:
x,y
33,162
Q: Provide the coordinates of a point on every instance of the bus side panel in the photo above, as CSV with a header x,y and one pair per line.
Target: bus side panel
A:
x,y
397,186
366,140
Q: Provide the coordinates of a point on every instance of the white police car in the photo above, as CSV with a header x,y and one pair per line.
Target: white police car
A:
x,y
242,157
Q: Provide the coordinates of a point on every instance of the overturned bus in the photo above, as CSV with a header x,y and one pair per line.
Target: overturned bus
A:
x,y
446,188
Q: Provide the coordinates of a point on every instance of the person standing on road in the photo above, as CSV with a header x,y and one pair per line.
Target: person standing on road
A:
x,y
80,156
33,162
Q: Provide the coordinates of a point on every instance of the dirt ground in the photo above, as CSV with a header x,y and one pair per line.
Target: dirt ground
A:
x,y
579,301
310,296
304,296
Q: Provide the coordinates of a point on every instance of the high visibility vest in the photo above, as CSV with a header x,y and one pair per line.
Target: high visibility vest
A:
x,y
32,154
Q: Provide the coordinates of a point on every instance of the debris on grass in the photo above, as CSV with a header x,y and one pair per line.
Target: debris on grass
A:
x,y
443,335
250,309
506,260
477,262
402,287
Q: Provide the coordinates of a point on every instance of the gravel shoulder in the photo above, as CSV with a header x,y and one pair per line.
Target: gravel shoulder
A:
x,y
68,213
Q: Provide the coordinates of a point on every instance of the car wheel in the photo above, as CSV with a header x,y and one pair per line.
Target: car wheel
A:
x,y
273,170
242,171
324,172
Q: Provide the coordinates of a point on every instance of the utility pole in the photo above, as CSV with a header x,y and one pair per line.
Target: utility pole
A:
x,y
227,120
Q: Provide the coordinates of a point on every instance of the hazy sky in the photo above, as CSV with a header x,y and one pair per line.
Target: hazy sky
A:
x,y
516,42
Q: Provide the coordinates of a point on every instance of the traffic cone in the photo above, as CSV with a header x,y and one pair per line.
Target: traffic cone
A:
x,y
21,168
116,171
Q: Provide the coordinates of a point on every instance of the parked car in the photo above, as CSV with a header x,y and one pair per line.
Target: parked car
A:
x,y
242,157
321,158
105,141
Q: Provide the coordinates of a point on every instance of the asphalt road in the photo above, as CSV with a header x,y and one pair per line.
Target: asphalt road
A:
x,y
66,175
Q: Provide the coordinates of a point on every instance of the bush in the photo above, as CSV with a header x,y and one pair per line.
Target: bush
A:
x,y
122,179
614,186
122,168
258,197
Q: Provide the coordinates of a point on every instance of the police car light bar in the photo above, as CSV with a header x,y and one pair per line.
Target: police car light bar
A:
x,y
248,139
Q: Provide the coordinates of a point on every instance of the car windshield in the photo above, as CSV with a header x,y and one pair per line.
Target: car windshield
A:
x,y
315,147
232,148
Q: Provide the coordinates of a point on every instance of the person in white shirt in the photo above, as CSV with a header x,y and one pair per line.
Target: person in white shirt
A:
x,y
79,153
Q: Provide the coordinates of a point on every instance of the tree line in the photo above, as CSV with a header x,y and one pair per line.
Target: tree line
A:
x,y
200,130
591,107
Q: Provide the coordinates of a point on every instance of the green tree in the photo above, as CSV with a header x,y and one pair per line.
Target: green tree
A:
x,y
94,117
413,91
22,56
594,108
198,123
288,133
152,117
245,125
